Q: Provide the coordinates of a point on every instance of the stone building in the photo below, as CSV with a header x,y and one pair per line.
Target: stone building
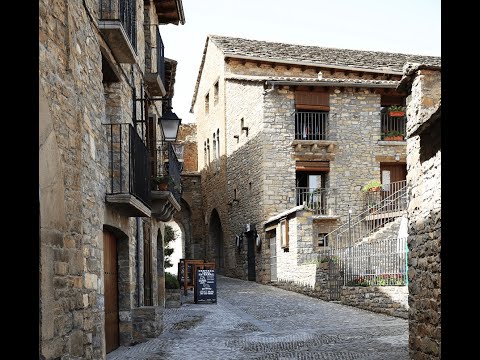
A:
x,y
287,137
190,218
423,83
104,83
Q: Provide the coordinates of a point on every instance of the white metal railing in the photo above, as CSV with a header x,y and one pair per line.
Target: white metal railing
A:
x,y
379,262
321,201
392,206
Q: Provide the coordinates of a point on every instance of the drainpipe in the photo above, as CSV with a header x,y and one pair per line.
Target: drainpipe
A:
x,y
138,261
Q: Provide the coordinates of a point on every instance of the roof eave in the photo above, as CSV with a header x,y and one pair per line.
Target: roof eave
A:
x,y
307,63
330,83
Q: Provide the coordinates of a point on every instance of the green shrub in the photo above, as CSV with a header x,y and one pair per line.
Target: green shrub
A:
x,y
171,281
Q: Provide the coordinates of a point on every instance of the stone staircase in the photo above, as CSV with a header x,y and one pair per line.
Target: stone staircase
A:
x,y
393,229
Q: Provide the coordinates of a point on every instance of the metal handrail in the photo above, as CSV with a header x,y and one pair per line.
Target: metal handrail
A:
x,y
374,217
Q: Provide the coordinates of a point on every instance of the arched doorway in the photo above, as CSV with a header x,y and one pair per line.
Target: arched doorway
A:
x,y
216,240
178,246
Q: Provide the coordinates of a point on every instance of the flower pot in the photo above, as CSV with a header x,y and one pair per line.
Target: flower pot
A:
x,y
377,188
393,138
396,113
163,187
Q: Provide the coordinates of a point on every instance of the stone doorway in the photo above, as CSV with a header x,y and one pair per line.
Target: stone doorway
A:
x,y
216,241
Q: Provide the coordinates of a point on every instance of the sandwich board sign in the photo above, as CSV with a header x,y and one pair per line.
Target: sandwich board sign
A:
x,y
205,285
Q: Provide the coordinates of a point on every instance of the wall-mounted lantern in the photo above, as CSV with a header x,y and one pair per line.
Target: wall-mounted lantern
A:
x,y
170,123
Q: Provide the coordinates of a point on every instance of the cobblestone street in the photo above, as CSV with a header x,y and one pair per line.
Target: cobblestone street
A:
x,y
253,321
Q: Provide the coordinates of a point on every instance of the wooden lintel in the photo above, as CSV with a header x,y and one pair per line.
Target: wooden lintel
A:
x,y
330,148
332,71
243,62
298,147
313,147
288,66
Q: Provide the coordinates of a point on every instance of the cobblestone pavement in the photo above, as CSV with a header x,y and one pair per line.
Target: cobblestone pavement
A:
x,y
253,321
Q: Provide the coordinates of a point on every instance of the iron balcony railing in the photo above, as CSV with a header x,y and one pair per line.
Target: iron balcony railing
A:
x,y
321,201
311,125
129,168
372,198
374,217
168,167
123,11
393,127
160,57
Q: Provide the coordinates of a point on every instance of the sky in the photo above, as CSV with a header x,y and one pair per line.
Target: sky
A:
x,y
405,26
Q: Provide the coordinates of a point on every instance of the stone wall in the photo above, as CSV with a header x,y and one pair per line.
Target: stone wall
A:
x,y
75,105
187,136
244,175
191,216
390,300
424,211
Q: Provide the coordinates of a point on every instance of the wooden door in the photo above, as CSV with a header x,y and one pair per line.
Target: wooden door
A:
x,y
111,291
393,177
392,173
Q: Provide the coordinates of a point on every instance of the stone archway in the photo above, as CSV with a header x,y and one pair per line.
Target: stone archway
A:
x,y
178,245
217,245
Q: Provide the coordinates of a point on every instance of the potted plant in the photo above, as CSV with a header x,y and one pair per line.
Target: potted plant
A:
x,y
372,185
161,182
396,111
393,135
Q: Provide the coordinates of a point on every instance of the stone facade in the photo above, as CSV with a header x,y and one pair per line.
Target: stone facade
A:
x,y
424,210
254,178
191,217
82,87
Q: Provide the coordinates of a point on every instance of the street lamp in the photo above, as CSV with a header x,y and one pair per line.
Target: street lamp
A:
x,y
170,123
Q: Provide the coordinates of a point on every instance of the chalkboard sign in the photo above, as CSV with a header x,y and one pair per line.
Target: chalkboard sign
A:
x,y
205,285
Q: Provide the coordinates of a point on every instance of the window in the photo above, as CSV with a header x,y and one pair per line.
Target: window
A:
x,y
321,241
215,93
205,152
214,146
284,233
218,143
393,124
207,103
208,151
311,115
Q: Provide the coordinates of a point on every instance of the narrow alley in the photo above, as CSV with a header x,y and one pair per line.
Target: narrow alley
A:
x,y
254,321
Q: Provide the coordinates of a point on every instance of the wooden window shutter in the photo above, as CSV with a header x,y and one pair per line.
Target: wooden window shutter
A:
x,y
312,100
312,166
284,233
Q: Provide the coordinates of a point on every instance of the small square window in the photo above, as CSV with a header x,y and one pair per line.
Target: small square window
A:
x,y
321,241
284,233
